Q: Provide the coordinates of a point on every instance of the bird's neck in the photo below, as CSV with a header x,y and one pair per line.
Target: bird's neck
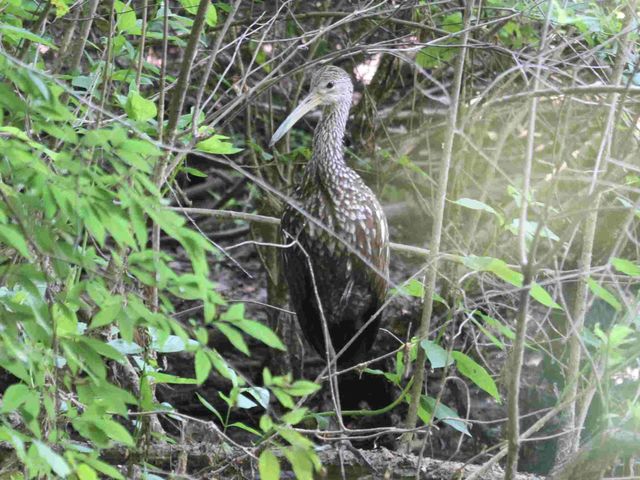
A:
x,y
328,156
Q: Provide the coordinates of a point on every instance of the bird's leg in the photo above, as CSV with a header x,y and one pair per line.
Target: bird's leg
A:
x,y
333,379
330,353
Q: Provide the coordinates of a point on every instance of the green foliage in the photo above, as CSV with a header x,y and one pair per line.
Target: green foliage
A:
x,y
504,272
78,196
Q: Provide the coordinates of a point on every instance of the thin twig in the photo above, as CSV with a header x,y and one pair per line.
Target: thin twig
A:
x,y
436,233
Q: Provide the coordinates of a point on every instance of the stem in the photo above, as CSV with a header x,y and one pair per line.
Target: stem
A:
x,y
576,421
207,71
39,27
85,29
517,353
155,228
604,152
436,235
106,80
163,70
574,346
180,92
66,39
143,37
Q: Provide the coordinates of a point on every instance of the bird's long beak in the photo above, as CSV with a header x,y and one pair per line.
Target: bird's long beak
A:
x,y
310,102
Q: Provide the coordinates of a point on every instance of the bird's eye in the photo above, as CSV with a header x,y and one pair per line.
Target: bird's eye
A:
x,y
330,85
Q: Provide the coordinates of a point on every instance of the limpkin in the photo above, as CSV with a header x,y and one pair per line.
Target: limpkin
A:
x,y
349,290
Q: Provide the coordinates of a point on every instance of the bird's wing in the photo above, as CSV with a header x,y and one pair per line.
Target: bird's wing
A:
x,y
372,241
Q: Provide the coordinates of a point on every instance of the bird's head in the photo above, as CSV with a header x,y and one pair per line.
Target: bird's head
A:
x,y
329,86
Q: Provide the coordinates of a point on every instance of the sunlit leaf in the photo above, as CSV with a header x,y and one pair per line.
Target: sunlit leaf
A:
x,y
625,266
217,145
139,108
478,205
234,336
438,357
301,388
115,431
541,295
12,236
260,332
126,18
604,294
16,33
202,365
14,396
55,461
268,466
444,413
299,460
476,373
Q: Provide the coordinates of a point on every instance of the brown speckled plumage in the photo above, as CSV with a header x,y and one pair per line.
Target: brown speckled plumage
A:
x,y
350,291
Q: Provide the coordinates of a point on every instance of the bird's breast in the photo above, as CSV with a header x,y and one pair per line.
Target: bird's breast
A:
x,y
347,216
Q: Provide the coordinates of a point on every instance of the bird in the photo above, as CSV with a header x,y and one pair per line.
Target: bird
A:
x,y
341,272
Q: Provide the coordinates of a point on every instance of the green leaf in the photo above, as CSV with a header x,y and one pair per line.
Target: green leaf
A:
x,y
211,16
626,267
260,332
115,432
138,221
210,407
300,388
17,33
126,18
452,23
296,439
261,395
234,336
266,424
13,237
191,6
531,229
268,466
294,416
245,402
478,205
503,271
108,313
495,266
194,171
413,287
85,472
55,461
104,468
448,415
618,335
62,8
283,397
217,145
437,355
300,462
172,379
246,428
14,396
604,294
203,366
233,313
433,56
102,348
497,342
476,373
139,108
542,296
